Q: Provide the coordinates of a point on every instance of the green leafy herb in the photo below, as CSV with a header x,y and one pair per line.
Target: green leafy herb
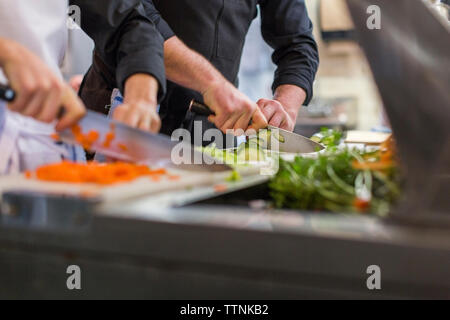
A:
x,y
331,183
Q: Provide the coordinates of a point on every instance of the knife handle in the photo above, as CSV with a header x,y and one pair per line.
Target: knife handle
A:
x,y
201,108
7,94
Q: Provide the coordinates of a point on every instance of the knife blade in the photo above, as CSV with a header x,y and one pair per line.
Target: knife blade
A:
x,y
286,141
130,144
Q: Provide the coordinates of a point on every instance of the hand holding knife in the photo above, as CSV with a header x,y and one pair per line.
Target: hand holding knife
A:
x,y
290,142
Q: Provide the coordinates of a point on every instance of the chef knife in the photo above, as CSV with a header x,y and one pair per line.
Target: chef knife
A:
x,y
288,142
130,144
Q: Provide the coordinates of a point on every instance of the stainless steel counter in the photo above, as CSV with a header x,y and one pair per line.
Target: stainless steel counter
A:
x,y
223,252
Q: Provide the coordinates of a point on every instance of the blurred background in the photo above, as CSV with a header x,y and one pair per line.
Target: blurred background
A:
x,y
345,94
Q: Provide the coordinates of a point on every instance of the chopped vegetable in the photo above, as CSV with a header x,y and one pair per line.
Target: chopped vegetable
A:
x,y
93,172
279,137
220,188
328,137
234,176
86,140
361,205
109,137
122,146
55,136
379,161
155,178
251,151
254,150
174,177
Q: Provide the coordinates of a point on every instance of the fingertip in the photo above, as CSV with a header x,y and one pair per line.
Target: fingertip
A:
x,y
261,102
61,125
70,118
260,122
144,127
157,126
117,111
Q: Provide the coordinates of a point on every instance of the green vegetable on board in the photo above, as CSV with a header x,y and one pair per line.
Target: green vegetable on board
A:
x,y
328,137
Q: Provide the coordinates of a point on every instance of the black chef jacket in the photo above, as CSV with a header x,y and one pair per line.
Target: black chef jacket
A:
x,y
126,41
217,30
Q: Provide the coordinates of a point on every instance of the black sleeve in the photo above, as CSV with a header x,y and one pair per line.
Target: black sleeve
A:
x,y
286,27
126,40
161,24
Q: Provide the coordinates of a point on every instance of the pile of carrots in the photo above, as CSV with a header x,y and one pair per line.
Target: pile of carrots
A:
x,y
94,172
97,173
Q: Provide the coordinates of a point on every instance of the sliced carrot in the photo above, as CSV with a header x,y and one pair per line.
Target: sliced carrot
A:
x,y
174,177
76,129
220,188
94,172
376,166
122,146
55,136
86,140
155,178
361,205
110,136
93,135
158,171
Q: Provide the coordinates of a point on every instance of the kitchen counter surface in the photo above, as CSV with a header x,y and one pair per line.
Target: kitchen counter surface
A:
x,y
206,251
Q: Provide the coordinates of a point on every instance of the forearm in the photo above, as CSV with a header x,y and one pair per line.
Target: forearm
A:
x,y
141,88
188,68
291,97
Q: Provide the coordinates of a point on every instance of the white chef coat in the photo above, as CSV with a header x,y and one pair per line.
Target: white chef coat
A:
x,y
40,26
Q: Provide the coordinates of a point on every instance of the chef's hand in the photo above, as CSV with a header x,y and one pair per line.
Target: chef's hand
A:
x,y
276,115
39,92
140,102
282,111
233,109
75,82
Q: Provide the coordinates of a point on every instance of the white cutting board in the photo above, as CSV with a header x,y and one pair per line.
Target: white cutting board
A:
x,y
144,186
366,137
118,192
